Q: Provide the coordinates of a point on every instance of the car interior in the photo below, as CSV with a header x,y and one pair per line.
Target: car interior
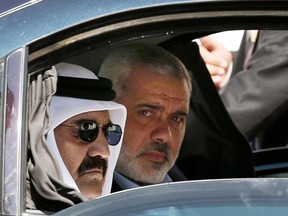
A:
x,y
219,154
215,151
215,155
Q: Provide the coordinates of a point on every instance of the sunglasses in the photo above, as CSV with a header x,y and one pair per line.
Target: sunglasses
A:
x,y
88,132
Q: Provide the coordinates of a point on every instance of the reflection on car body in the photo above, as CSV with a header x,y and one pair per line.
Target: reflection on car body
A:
x,y
45,33
219,197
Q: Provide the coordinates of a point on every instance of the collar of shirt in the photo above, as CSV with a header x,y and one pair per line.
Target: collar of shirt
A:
x,y
126,183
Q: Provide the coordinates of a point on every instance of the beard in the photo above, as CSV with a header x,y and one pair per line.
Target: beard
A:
x,y
143,171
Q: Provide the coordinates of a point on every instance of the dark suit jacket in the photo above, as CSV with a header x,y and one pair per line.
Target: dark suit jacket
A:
x,y
174,173
115,187
257,97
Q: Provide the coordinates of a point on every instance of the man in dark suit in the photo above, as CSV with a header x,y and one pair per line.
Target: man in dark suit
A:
x,y
156,88
256,96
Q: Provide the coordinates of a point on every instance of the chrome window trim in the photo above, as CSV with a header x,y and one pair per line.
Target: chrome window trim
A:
x,y
14,146
2,122
150,20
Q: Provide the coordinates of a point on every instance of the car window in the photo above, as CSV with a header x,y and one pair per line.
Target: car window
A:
x,y
93,58
92,55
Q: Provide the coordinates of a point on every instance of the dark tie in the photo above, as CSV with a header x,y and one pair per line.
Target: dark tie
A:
x,y
251,39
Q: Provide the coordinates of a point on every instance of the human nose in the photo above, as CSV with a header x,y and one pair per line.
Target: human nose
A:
x,y
162,132
99,147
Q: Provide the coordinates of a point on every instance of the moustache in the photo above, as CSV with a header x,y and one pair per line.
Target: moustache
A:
x,y
93,163
155,146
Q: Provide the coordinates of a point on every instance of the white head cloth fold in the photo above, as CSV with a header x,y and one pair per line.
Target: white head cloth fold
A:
x,y
63,108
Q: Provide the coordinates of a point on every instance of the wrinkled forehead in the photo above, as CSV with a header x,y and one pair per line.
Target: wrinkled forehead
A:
x,y
179,101
157,88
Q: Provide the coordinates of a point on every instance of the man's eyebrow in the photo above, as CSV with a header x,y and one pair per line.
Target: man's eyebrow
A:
x,y
149,105
81,120
158,107
181,113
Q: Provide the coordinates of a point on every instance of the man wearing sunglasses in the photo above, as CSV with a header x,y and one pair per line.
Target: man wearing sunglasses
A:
x,y
155,87
84,136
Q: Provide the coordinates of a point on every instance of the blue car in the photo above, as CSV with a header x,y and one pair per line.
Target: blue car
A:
x,y
225,174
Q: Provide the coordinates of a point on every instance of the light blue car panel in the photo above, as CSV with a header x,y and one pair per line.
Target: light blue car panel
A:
x,y
49,16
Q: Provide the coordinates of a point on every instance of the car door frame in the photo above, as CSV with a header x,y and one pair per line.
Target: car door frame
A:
x,y
13,146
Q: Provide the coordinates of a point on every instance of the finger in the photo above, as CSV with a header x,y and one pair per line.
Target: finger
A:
x,y
215,70
207,56
218,49
208,42
217,80
212,58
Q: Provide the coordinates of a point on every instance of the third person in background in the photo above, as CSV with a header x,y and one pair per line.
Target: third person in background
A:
x,y
256,96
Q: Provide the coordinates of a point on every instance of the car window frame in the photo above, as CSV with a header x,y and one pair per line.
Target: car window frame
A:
x,y
101,29
56,48
13,144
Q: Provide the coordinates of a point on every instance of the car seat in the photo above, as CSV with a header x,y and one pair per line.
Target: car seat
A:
x,y
212,147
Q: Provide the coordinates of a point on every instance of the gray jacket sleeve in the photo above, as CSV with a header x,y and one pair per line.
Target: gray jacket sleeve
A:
x,y
256,97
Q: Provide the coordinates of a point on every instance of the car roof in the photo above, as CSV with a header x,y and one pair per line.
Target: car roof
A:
x,y
52,16
35,19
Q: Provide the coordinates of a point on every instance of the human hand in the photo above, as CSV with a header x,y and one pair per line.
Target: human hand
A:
x,y
217,59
